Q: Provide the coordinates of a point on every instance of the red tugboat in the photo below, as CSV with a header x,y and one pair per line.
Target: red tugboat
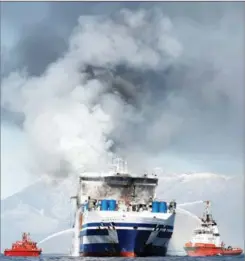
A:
x,y
24,248
206,240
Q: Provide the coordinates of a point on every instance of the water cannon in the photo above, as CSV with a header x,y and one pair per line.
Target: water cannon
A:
x,y
172,205
208,205
207,202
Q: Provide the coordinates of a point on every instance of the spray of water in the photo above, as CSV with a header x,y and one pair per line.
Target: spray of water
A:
x,y
70,230
181,210
75,243
185,223
191,203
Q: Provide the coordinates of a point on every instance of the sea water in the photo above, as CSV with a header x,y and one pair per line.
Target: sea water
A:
x,y
167,258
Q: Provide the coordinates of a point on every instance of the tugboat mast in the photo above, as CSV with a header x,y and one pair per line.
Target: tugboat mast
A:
x,y
207,215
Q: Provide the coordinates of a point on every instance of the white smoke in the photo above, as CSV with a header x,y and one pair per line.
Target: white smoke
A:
x,y
75,122
68,117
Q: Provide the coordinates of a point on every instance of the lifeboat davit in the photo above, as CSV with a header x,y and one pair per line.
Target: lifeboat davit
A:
x,y
26,247
206,239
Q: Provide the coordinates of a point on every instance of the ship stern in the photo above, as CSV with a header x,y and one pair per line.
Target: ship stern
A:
x,y
126,235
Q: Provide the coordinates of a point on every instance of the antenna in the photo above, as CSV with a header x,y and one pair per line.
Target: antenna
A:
x,y
120,166
208,207
207,213
157,171
126,167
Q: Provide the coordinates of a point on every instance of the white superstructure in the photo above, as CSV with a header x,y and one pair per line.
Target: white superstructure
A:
x,y
207,232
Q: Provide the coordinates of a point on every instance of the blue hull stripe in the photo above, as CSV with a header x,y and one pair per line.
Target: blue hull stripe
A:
x,y
166,234
113,249
105,232
94,232
97,224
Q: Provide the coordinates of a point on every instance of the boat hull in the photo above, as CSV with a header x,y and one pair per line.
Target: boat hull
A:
x,y
231,252
130,236
211,251
22,253
202,251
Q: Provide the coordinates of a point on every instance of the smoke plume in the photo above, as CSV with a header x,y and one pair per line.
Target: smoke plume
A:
x,y
69,115
136,83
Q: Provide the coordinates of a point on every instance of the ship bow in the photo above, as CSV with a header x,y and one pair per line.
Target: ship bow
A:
x,y
125,239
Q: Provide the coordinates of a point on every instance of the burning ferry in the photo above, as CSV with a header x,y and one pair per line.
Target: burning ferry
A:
x,y
118,214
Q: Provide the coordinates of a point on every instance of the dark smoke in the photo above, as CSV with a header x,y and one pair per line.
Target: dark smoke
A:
x,y
174,106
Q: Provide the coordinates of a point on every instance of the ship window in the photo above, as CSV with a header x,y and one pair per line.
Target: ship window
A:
x,y
145,181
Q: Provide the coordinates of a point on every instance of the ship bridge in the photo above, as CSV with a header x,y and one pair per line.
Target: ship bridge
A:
x,y
119,184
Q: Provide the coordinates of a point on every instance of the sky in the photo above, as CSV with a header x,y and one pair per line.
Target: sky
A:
x,y
157,83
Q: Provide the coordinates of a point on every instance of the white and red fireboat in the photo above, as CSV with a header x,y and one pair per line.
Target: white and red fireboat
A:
x,y
206,240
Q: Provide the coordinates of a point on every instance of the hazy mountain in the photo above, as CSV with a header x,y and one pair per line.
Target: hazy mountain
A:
x,y
45,208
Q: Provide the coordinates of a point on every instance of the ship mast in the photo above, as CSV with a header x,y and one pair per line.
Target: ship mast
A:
x,y
120,166
207,216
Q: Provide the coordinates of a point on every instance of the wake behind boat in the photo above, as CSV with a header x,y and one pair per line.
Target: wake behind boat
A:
x,y
118,214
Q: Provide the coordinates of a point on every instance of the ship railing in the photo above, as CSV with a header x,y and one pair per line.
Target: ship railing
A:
x,y
123,206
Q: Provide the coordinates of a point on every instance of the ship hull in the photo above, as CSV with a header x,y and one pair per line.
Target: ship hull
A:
x,y
232,252
202,251
22,253
211,251
130,236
